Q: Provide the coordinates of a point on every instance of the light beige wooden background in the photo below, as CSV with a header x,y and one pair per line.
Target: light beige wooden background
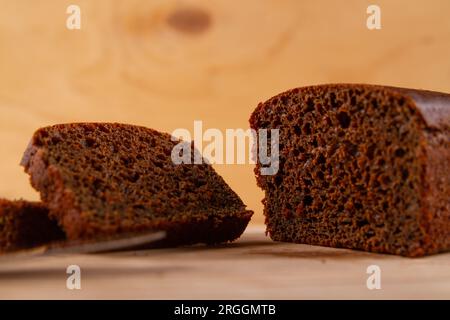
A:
x,y
151,63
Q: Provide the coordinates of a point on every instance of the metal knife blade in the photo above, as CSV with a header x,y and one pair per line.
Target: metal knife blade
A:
x,y
122,243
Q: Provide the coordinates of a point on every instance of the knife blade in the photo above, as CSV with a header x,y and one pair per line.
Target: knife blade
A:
x,y
117,244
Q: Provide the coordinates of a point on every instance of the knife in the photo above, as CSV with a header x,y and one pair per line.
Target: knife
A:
x,y
127,242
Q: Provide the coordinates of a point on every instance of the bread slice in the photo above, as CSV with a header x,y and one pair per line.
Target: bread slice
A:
x,y
26,224
101,179
360,166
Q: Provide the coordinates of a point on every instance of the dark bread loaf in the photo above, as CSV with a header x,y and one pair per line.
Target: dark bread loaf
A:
x,y
360,166
102,179
26,224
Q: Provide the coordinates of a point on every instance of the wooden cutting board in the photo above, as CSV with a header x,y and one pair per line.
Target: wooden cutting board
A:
x,y
254,267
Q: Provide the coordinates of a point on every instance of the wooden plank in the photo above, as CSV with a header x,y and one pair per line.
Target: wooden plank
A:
x,y
253,267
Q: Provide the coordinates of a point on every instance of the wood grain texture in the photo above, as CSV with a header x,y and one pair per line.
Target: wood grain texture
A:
x,y
166,63
254,267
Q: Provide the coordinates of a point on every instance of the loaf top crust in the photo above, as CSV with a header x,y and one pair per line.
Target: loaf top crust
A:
x,y
434,106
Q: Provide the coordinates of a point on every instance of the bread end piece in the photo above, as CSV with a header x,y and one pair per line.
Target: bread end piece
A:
x,y
361,166
25,224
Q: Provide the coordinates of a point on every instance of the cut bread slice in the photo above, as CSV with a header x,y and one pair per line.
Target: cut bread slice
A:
x,y
101,179
25,224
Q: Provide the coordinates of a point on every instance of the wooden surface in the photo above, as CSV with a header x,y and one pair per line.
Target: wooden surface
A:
x,y
166,63
254,267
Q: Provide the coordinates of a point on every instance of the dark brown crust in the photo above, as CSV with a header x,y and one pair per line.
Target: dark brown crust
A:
x,y
432,105
433,154
62,200
25,224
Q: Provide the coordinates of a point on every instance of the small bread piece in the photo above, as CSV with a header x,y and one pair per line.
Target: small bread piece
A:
x,y
25,224
361,166
101,179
